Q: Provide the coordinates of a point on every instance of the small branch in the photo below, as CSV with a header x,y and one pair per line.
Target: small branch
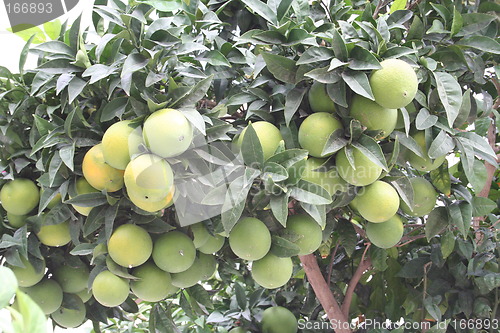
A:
x,y
363,266
408,239
330,266
413,4
323,293
381,4
424,293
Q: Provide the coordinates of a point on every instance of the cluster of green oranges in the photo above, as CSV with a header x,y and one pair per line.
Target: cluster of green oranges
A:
x,y
394,86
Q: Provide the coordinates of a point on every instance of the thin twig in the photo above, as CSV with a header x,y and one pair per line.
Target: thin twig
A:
x,y
409,239
413,4
330,266
424,293
381,4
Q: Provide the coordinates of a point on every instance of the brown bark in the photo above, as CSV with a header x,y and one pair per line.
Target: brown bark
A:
x,y
324,294
364,264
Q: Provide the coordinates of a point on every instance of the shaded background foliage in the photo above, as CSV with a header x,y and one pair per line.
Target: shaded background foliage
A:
x,y
225,63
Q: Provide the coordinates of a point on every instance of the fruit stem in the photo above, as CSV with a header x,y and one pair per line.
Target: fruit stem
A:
x,y
324,294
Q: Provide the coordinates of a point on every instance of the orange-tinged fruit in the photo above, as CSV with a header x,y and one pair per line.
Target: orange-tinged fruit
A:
x,y
151,206
82,186
395,84
315,171
167,133
269,137
424,198
386,234
47,294
365,171
174,252
377,202
271,271
153,285
149,177
19,196
130,245
319,101
29,275
250,239
121,141
373,116
98,173
308,231
55,234
110,290
315,131
70,317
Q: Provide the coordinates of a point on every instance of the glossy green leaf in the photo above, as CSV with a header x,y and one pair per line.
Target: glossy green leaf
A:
x,y
447,244
362,59
263,10
251,148
347,236
371,149
284,248
461,216
457,22
482,206
437,220
425,119
483,43
441,145
283,68
279,207
441,179
293,100
310,193
450,95
358,82
315,54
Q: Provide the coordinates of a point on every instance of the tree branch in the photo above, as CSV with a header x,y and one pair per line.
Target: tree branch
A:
x,y
364,265
490,169
324,294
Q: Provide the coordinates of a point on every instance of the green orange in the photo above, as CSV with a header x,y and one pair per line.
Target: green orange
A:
x,y
130,245
315,131
19,196
364,171
250,239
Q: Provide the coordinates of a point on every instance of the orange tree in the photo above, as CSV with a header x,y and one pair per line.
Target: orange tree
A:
x,y
201,162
